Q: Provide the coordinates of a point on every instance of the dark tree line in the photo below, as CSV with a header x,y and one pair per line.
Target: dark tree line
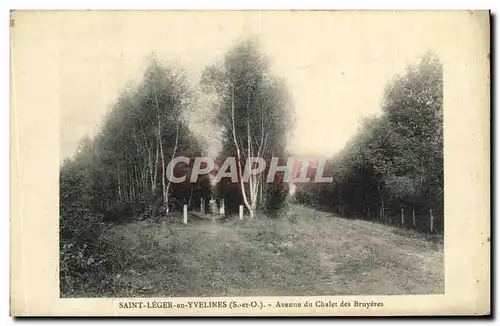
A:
x,y
392,170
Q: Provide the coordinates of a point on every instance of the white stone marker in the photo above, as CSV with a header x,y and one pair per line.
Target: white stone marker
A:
x,y
222,209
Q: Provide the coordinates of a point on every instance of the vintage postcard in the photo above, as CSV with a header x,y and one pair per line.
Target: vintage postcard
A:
x,y
250,163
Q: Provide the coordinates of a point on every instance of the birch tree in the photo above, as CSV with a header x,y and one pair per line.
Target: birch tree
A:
x,y
253,109
141,133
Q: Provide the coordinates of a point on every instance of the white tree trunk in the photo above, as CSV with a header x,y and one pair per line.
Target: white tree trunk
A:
x,y
150,168
432,220
155,174
251,198
118,179
238,153
166,191
160,142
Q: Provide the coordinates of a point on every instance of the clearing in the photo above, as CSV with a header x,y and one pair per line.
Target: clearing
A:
x,y
311,253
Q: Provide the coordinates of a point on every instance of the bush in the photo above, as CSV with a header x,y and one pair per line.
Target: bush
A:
x,y
277,200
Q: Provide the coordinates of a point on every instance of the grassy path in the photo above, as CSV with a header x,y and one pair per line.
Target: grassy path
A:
x,y
312,253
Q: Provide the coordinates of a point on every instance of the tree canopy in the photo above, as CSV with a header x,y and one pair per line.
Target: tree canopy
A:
x,y
394,165
254,110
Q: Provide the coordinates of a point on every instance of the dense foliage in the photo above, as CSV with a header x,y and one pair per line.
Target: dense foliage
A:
x,y
254,110
392,170
119,175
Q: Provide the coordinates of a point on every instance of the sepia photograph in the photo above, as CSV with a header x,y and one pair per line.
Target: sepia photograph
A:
x,y
292,155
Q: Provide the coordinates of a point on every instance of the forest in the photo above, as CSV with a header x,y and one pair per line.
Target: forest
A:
x,y
391,172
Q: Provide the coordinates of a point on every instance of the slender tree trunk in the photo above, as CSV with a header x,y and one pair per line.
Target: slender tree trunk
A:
x,y
162,155
144,181
382,207
136,181
166,191
132,186
129,186
261,195
155,174
413,217
124,183
250,180
150,169
238,153
118,179
432,220
402,217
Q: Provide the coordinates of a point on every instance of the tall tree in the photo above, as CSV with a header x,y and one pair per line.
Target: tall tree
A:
x,y
395,162
141,133
254,110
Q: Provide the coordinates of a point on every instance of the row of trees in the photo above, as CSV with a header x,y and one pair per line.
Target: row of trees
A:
x,y
122,171
392,170
120,174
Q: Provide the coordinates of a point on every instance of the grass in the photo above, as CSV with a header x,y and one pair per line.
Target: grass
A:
x,y
311,253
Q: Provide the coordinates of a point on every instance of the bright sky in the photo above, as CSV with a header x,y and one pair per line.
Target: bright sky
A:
x,y
336,64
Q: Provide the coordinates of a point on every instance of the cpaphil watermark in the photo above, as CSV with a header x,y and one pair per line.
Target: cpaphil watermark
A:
x,y
254,167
